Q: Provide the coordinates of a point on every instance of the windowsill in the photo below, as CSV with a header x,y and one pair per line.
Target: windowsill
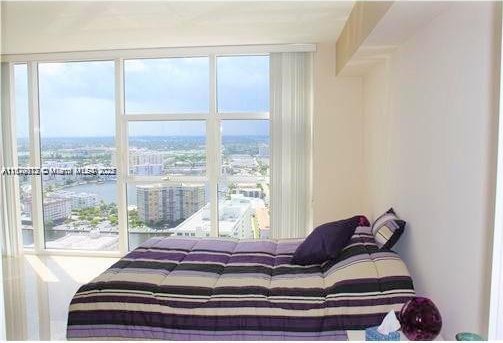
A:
x,y
76,253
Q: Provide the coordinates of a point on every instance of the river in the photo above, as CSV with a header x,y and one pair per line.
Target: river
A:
x,y
107,191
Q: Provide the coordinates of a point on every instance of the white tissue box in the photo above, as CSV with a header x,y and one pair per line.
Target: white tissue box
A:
x,y
371,334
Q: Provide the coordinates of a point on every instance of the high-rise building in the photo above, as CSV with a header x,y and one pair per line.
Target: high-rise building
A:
x,y
193,198
169,203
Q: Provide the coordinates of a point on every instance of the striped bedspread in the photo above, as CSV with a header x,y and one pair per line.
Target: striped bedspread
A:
x,y
227,289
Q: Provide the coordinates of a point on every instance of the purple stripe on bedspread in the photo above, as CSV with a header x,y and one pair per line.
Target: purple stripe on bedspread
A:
x,y
142,332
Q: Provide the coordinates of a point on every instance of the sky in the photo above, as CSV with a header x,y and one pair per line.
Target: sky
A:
x,y
77,98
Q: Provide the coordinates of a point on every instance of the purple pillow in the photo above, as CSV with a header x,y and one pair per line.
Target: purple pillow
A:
x,y
327,240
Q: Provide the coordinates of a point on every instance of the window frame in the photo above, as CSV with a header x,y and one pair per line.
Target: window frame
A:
x,y
213,121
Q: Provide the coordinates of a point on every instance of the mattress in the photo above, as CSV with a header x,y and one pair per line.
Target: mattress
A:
x,y
227,289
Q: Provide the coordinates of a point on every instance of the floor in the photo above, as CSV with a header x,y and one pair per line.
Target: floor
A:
x,y
38,290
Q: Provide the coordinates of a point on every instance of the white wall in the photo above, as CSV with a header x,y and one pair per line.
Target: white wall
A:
x,y
338,144
430,120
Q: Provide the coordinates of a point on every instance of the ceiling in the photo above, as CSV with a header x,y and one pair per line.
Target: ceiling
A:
x,y
32,27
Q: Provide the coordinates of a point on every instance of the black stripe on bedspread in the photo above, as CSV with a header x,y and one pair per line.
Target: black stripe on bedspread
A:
x,y
227,323
358,286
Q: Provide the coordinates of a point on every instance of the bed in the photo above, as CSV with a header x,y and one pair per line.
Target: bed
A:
x,y
227,289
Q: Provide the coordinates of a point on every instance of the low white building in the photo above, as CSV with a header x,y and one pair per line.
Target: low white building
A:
x,y
79,200
84,200
250,192
234,220
57,208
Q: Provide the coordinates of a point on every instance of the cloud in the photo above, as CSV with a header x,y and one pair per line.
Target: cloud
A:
x,y
21,100
54,69
167,128
243,83
78,99
76,116
134,66
171,85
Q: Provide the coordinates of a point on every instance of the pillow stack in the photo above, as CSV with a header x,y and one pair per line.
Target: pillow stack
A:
x,y
328,240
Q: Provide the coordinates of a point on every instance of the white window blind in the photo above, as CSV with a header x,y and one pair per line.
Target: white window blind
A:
x,y
291,132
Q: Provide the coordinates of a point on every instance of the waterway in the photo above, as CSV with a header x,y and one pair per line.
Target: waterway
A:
x,y
107,191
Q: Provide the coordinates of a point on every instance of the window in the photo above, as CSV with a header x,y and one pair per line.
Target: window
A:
x,y
201,162
77,131
189,137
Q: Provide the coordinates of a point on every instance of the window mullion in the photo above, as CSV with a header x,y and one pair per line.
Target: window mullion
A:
x,y
37,211
245,116
121,153
212,152
166,116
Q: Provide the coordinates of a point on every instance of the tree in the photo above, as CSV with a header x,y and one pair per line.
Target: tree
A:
x,y
49,224
95,222
113,219
134,219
